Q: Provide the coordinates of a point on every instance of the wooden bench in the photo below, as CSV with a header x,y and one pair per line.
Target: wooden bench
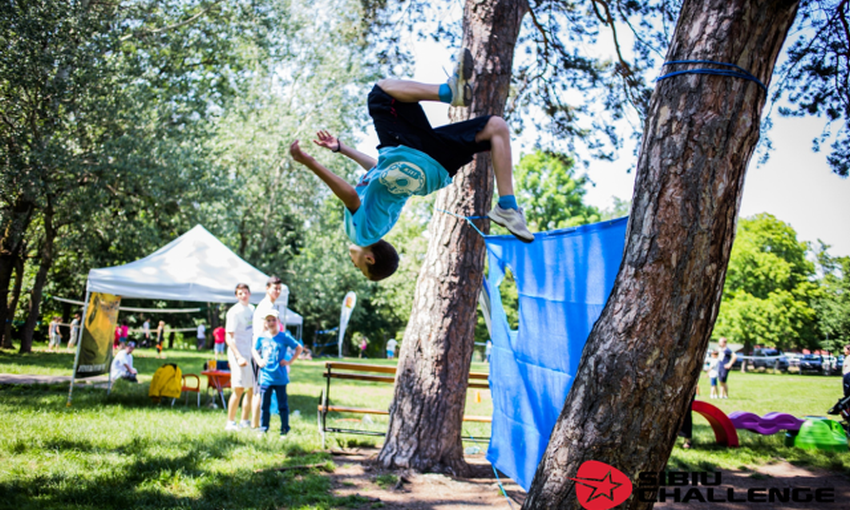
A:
x,y
380,374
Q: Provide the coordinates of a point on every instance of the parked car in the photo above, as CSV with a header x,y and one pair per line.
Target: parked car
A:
x,y
811,363
760,363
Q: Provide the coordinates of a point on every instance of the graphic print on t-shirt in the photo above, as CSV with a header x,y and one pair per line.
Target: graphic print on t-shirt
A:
x,y
403,178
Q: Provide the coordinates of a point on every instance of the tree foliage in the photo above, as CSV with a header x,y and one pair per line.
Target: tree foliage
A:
x,y
833,303
770,291
551,195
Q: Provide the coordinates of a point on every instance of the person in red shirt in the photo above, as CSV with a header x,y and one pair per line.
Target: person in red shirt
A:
x,y
218,335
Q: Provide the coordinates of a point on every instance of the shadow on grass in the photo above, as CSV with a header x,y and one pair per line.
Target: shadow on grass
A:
x,y
183,481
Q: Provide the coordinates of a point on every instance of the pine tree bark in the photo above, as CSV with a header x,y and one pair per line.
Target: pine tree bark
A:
x,y
430,393
642,360
45,262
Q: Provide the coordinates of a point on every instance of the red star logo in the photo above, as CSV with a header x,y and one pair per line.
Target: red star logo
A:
x,y
601,488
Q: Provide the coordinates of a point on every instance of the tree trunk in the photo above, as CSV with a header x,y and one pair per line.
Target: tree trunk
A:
x,y
16,221
430,392
16,296
642,360
40,279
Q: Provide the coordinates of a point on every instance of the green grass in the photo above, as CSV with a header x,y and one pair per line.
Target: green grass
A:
x,y
761,393
123,451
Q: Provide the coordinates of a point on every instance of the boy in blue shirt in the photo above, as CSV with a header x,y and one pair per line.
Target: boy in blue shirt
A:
x,y
414,159
269,353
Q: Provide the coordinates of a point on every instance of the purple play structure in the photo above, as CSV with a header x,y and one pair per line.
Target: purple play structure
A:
x,y
771,423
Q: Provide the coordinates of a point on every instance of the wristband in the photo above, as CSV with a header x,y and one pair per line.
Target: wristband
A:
x,y
338,146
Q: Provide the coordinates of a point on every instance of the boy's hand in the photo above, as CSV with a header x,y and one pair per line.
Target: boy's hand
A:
x,y
299,155
261,364
327,141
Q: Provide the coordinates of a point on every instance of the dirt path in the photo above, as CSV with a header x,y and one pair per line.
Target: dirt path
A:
x,y
50,379
356,474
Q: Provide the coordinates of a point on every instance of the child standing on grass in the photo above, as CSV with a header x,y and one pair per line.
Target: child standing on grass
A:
x,y
712,373
269,353
414,159
55,338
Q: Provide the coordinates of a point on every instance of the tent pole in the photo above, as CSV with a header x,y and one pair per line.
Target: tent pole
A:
x,y
79,346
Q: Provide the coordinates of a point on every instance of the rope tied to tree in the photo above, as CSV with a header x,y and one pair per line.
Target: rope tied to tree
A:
x,y
738,72
468,220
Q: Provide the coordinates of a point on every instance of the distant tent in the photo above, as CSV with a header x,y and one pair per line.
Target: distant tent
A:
x,y
194,267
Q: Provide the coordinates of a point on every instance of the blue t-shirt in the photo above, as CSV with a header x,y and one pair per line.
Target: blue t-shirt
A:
x,y
272,350
383,191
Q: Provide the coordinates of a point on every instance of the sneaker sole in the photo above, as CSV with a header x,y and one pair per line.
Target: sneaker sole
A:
x,y
466,69
526,241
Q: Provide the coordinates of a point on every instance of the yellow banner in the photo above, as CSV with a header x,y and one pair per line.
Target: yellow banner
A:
x,y
98,334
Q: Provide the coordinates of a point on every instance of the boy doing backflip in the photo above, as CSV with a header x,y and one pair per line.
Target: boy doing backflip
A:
x,y
414,159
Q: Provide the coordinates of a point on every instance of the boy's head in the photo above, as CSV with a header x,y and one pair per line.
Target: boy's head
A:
x,y
243,292
714,354
273,287
376,262
271,322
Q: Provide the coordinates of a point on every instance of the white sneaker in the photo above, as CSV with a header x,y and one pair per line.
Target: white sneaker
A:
x,y
231,426
245,424
513,220
459,80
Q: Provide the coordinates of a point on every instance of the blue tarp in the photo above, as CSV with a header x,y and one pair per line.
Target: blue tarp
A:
x,y
563,278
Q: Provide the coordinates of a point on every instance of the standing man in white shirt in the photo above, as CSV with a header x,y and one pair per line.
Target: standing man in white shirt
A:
x,y
202,336
239,336
277,295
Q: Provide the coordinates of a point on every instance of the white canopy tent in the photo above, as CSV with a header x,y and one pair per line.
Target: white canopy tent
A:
x,y
194,267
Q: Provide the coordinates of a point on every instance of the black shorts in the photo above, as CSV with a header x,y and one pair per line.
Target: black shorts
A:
x,y
397,123
722,375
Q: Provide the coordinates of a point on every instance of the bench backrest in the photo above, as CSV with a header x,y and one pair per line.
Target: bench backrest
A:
x,y
354,371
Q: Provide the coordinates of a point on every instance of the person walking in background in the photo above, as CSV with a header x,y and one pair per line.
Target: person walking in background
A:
x,y
123,335
160,338
268,352
727,359
201,336
712,373
845,370
53,334
274,289
239,336
75,330
391,347
363,345
146,333
218,339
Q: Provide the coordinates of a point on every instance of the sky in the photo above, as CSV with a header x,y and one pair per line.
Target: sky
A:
x,y
795,185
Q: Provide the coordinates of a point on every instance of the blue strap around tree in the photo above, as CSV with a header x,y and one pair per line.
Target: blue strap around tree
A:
x,y
740,72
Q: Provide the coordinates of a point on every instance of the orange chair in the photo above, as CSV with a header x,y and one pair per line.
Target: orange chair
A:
x,y
187,388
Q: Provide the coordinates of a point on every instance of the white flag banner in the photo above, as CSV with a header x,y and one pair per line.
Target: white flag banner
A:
x,y
347,307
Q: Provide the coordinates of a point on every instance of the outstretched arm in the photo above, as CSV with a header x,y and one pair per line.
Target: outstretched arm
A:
x,y
337,184
334,144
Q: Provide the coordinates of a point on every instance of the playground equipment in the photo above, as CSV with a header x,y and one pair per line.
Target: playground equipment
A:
x,y
769,424
819,432
724,431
